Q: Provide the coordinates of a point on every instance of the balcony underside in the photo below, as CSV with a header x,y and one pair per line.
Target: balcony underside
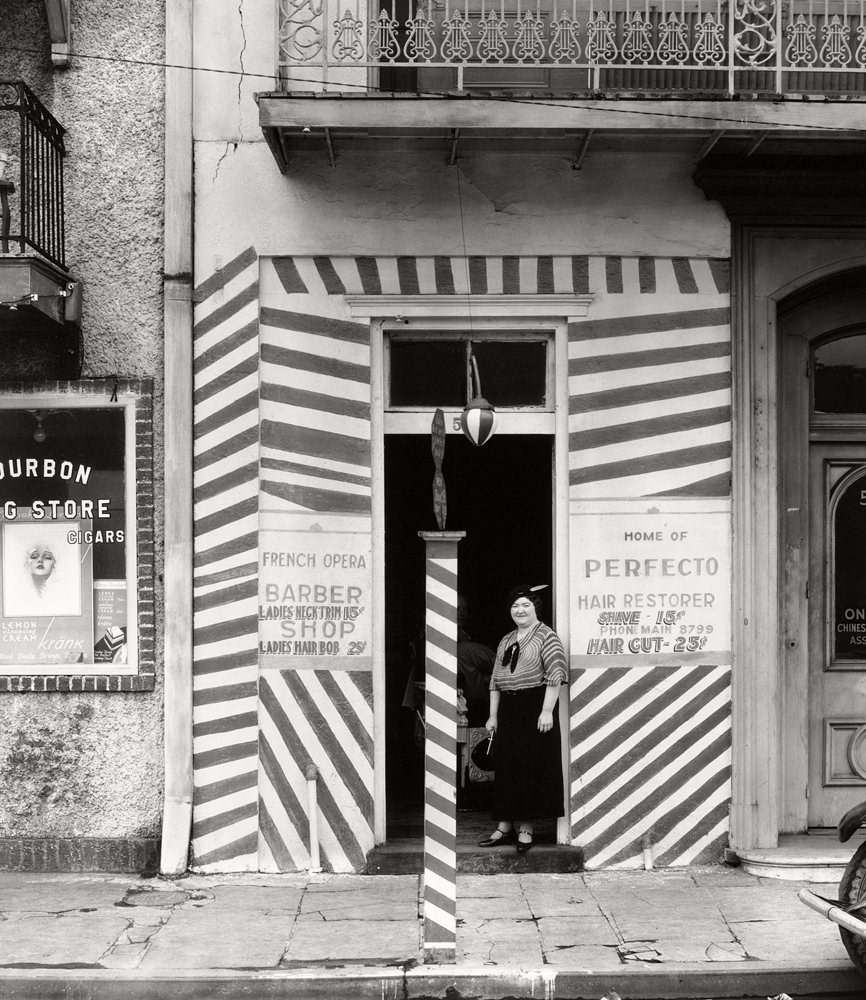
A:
x,y
39,319
458,124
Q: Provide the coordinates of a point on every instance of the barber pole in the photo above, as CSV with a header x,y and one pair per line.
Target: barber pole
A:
x,y
440,747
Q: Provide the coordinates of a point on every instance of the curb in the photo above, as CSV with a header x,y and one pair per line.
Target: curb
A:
x,y
639,983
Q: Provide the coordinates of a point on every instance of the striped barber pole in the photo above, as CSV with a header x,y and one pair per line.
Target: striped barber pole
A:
x,y
440,747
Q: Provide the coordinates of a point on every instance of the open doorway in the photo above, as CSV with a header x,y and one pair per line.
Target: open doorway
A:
x,y
501,495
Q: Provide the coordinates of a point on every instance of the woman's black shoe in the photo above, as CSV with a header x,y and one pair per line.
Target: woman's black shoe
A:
x,y
523,846
493,840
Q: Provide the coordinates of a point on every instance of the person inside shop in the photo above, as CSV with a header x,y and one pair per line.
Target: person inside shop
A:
x,y
474,667
529,667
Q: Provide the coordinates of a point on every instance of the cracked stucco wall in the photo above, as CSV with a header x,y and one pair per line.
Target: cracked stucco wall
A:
x,y
91,764
377,201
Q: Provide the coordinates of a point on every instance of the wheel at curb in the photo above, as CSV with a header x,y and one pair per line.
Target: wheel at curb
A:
x,y
852,890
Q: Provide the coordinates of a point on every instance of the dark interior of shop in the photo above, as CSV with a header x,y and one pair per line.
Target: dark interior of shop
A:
x,y
501,495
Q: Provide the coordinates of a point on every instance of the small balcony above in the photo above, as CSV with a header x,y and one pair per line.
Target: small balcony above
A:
x,y
588,47
37,294
453,69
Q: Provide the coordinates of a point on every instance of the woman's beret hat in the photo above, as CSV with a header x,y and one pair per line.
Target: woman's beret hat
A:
x,y
525,590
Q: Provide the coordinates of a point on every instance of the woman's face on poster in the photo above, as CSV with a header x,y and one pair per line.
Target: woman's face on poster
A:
x,y
40,560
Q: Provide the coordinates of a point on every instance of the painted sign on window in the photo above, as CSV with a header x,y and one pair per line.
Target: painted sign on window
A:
x,y
651,584
849,583
314,595
63,540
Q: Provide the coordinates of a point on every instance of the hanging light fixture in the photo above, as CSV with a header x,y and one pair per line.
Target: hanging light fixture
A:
x,y
39,433
478,420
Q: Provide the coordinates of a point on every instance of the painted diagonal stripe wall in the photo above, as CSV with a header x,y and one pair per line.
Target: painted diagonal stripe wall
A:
x,y
649,388
653,760
315,407
650,404
326,717
225,668
315,476
649,380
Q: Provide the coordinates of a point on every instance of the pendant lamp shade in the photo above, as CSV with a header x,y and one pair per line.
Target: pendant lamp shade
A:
x,y
478,421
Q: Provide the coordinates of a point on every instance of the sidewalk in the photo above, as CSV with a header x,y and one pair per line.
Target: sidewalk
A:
x,y
698,933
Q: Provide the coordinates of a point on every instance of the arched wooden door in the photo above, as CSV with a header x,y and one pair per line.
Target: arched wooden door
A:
x,y
822,437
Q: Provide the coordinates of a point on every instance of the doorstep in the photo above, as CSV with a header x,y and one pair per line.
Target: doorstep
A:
x,y
804,857
406,857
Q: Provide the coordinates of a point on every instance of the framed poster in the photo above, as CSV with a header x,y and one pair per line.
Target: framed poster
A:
x,y
76,537
46,594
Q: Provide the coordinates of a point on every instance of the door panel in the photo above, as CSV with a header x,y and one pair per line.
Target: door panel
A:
x,y
837,630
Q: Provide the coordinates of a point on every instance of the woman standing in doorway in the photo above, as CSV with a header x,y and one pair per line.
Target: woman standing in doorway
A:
x,y
530,665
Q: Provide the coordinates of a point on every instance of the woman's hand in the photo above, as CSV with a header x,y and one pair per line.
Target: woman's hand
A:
x,y
491,724
545,722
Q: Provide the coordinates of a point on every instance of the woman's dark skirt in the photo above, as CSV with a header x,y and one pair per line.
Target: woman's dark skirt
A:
x,y
528,778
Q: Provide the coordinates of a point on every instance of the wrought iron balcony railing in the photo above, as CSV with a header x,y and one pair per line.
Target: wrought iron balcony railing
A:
x,y
706,46
31,187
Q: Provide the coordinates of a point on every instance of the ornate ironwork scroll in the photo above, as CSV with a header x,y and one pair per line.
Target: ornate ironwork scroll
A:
x,y
384,46
565,39
755,34
529,43
673,40
835,52
709,41
493,43
801,49
420,44
601,40
348,39
637,46
456,45
301,30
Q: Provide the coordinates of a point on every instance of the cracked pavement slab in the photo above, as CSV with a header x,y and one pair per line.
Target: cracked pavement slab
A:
x,y
593,928
67,939
374,942
394,898
501,942
219,939
58,893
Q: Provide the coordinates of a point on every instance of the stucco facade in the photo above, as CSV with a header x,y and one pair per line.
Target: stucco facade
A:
x,y
289,270
361,226
75,764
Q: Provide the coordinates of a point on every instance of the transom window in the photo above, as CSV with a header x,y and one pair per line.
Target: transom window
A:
x,y
435,369
839,383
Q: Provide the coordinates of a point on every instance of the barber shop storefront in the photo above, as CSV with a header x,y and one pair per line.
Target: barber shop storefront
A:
x,y
606,483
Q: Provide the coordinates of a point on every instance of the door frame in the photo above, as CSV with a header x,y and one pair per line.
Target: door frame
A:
x,y
771,260
803,318
770,263
451,315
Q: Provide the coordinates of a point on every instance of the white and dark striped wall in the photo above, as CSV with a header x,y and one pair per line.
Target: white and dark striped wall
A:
x,y
282,422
